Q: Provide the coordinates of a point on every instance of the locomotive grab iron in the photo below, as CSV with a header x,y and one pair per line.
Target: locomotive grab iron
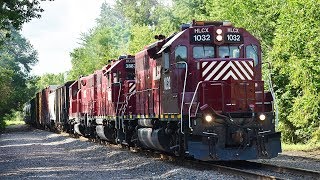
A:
x,y
198,93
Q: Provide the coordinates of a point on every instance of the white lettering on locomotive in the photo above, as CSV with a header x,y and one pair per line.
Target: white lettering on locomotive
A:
x,y
201,30
233,30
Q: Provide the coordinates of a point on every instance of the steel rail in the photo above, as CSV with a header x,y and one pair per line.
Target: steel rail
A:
x,y
284,169
240,172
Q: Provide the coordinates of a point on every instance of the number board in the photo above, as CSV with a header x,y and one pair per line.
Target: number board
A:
x,y
201,35
130,66
233,38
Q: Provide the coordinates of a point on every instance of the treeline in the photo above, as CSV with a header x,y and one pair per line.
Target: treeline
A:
x,y
17,56
289,32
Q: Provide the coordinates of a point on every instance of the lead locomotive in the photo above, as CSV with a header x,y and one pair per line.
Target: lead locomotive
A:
x,y
198,93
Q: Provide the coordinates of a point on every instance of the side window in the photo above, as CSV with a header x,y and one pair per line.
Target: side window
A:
x,y
115,77
74,93
166,62
203,52
146,62
229,52
252,52
180,53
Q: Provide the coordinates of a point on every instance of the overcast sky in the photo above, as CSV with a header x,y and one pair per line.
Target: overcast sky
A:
x,y
57,32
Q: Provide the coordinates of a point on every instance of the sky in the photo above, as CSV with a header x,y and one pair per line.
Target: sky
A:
x,y
58,31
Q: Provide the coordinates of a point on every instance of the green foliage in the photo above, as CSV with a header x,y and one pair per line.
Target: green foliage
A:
x,y
16,58
140,12
14,118
49,79
296,59
106,41
288,30
14,13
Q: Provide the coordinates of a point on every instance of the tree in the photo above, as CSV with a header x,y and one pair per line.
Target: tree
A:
x,y
14,13
49,79
139,12
16,58
296,61
108,40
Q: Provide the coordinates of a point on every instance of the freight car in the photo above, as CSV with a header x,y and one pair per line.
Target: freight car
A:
x,y
197,93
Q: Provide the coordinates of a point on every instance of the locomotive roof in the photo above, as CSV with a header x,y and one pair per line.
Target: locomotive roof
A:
x,y
113,66
167,44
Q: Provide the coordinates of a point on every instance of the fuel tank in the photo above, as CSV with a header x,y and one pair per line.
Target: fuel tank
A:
x,y
154,139
100,132
77,129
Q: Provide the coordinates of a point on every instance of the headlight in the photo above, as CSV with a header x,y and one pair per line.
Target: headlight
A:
x,y
208,118
219,31
262,117
219,38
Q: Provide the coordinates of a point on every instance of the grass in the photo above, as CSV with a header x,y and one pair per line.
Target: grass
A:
x,y
15,118
14,122
301,147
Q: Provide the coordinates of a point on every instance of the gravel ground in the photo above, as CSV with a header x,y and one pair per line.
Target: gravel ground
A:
x,y
295,161
34,154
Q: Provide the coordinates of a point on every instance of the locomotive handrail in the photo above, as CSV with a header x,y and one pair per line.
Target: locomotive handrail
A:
x,y
183,94
273,95
118,102
147,90
191,103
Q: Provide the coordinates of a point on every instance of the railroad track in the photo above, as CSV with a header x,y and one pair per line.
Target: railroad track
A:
x,y
279,172
247,169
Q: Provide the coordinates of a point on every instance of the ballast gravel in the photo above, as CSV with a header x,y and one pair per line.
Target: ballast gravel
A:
x,y
27,153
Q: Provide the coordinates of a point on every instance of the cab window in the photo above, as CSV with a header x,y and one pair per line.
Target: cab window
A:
x,y
203,52
229,52
181,53
252,52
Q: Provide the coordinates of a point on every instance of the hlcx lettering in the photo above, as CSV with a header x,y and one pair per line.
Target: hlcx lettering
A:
x,y
201,30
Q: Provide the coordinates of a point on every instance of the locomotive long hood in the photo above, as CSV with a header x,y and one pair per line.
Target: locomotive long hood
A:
x,y
237,69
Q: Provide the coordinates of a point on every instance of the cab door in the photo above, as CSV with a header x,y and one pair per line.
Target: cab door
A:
x,y
172,81
169,96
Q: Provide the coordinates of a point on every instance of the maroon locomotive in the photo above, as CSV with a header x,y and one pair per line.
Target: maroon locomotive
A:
x,y
198,93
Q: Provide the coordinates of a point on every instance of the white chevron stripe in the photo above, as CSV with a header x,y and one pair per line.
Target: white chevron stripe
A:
x,y
247,67
230,73
214,71
133,88
222,71
208,68
243,71
236,70
251,63
204,64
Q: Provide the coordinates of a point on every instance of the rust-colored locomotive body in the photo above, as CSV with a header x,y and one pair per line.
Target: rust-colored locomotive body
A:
x,y
198,93
102,104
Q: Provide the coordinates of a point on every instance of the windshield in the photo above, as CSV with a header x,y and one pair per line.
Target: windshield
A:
x,y
203,52
229,52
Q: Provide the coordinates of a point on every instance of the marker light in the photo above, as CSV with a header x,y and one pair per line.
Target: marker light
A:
x,y
262,117
208,118
219,31
219,38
